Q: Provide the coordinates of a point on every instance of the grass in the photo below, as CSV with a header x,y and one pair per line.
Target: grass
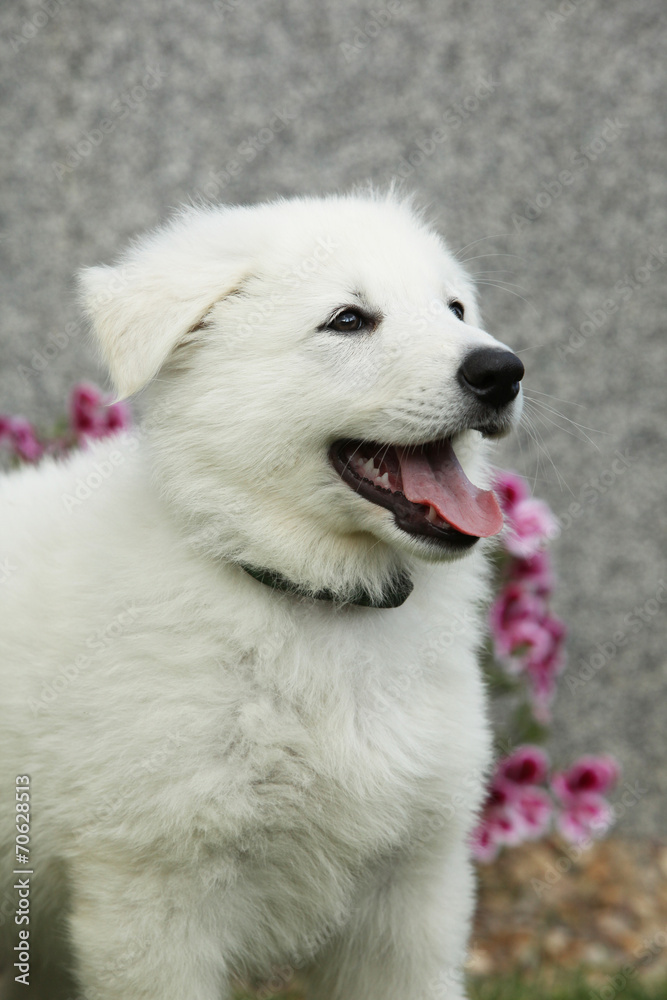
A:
x,y
571,987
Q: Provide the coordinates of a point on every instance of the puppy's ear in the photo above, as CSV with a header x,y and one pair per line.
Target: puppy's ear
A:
x,y
142,307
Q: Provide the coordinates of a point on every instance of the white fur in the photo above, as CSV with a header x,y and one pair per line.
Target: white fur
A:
x,y
227,779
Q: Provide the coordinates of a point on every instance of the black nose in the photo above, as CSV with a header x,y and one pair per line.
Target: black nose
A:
x,y
492,375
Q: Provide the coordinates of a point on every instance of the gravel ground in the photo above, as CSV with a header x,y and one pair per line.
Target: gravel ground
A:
x,y
547,909
533,131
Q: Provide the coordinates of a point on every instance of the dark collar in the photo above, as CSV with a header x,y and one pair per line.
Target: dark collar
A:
x,y
395,595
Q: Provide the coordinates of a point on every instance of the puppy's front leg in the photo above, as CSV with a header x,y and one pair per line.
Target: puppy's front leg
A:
x,y
141,934
406,940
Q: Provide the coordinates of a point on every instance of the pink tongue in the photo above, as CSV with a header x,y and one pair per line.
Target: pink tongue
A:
x,y
434,476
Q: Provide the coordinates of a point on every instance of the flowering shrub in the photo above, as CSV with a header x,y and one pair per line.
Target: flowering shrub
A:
x,y
526,658
580,791
91,414
19,435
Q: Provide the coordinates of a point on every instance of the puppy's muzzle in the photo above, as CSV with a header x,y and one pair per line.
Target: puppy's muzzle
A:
x,y
493,376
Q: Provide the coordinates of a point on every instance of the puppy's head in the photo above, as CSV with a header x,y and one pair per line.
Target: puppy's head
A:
x,y
322,384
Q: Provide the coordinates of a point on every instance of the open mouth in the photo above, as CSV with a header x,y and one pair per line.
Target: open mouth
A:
x,y
424,487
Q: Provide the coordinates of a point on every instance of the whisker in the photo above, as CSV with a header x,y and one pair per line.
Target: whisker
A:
x,y
549,421
499,282
497,270
570,402
496,253
527,426
498,236
495,284
536,437
510,291
551,409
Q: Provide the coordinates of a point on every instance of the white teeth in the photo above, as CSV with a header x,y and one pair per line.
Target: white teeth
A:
x,y
383,480
369,469
432,515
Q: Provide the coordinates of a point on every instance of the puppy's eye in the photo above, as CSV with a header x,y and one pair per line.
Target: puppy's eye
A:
x,y
348,321
457,308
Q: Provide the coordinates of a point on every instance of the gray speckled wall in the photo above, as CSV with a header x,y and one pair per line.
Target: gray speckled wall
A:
x,y
535,129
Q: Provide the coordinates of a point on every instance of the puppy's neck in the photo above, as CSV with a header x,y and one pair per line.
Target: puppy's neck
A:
x,y
394,595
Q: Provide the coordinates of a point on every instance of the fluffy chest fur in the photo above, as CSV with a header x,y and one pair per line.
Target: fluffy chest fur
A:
x,y
281,749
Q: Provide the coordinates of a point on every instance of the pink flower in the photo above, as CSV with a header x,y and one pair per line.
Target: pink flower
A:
x,y
511,617
530,522
534,573
515,784
528,639
590,816
510,489
535,809
21,438
118,417
93,415
530,525
544,663
483,843
515,809
585,812
500,825
587,775
528,765
85,402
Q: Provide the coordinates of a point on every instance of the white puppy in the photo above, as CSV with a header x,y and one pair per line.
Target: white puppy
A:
x,y
239,647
